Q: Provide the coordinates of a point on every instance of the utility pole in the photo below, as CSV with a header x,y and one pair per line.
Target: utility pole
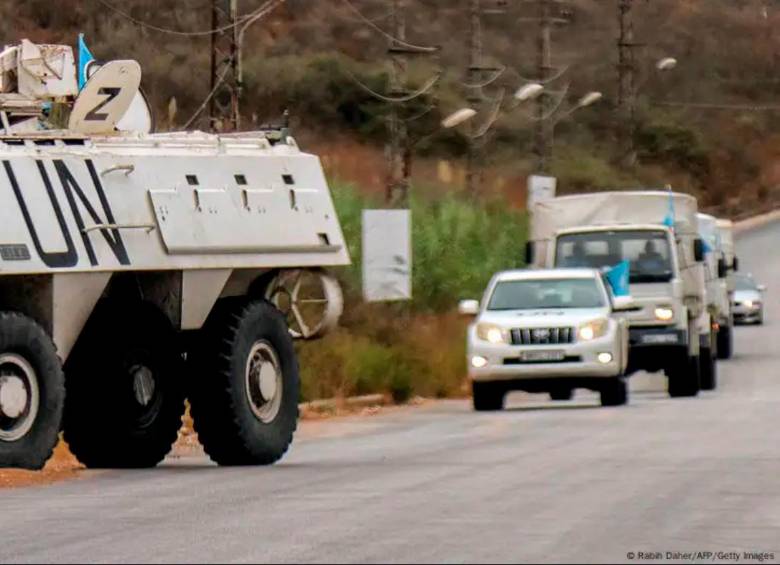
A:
x,y
546,17
475,97
626,81
224,111
398,149
544,70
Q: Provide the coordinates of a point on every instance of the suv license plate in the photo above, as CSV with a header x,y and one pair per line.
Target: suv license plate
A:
x,y
659,338
531,356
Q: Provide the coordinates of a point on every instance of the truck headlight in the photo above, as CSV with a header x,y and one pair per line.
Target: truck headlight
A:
x,y
593,329
664,313
492,333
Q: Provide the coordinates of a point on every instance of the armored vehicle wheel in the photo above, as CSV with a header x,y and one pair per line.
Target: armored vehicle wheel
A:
x,y
32,393
684,377
615,393
310,298
487,397
725,342
562,394
709,369
125,397
245,390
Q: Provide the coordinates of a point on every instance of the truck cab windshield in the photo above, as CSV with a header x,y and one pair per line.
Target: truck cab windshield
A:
x,y
647,251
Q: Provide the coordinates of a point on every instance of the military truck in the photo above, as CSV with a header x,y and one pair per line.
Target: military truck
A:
x,y
657,233
726,238
140,269
719,298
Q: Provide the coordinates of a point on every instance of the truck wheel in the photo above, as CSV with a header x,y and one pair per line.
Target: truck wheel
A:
x,y
562,394
125,397
487,397
245,390
684,377
32,393
709,369
615,393
725,342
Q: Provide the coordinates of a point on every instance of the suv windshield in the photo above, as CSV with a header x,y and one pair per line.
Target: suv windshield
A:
x,y
745,283
647,251
549,293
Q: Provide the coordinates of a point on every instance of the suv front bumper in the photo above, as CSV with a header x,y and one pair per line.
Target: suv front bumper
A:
x,y
505,362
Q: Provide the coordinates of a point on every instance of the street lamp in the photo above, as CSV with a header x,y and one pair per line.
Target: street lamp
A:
x,y
528,92
589,99
551,120
454,120
666,64
457,118
627,107
524,94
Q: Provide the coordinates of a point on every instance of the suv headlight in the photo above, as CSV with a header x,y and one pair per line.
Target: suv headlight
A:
x,y
593,329
664,313
492,333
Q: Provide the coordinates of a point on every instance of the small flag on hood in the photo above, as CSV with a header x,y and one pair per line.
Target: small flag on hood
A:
x,y
618,278
85,58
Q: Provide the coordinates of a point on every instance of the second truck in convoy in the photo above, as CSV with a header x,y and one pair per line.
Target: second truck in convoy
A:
x,y
671,329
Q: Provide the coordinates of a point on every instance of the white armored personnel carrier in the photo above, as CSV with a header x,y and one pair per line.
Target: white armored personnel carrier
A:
x,y
140,269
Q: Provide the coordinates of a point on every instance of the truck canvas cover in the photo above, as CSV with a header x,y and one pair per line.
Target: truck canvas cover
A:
x,y
614,208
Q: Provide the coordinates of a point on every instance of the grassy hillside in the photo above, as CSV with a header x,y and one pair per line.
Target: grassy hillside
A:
x,y
728,52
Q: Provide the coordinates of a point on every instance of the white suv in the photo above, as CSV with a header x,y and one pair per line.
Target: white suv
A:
x,y
547,331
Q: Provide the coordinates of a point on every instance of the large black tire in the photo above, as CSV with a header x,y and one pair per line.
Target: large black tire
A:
x,y
684,377
487,397
615,393
726,342
27,354
561,394
125,395
236,423
709,369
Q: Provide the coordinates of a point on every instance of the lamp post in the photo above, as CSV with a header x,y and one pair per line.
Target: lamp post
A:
x,y
474,157
627,109
452,121
585,101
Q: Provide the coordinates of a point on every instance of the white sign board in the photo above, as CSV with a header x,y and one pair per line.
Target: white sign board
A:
x,y
540,189
387,255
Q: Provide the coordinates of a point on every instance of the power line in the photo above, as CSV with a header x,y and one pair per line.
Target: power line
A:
x,y
205,103
716,106
424,89
170,31
397,40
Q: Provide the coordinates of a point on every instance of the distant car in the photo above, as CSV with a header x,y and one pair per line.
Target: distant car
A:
x,y
748,300
547,331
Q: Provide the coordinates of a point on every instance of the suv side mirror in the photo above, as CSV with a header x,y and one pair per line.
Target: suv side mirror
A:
x,y
735,264
698,250
723,270
529,253
468,307
623,304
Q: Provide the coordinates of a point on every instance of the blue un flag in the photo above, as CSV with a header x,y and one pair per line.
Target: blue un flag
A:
x,y
618,278
85,58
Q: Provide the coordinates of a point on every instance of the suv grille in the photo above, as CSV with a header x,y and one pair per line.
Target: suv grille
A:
x,y
542,336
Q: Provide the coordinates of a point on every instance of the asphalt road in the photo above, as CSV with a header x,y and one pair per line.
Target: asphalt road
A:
x,y
539,482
